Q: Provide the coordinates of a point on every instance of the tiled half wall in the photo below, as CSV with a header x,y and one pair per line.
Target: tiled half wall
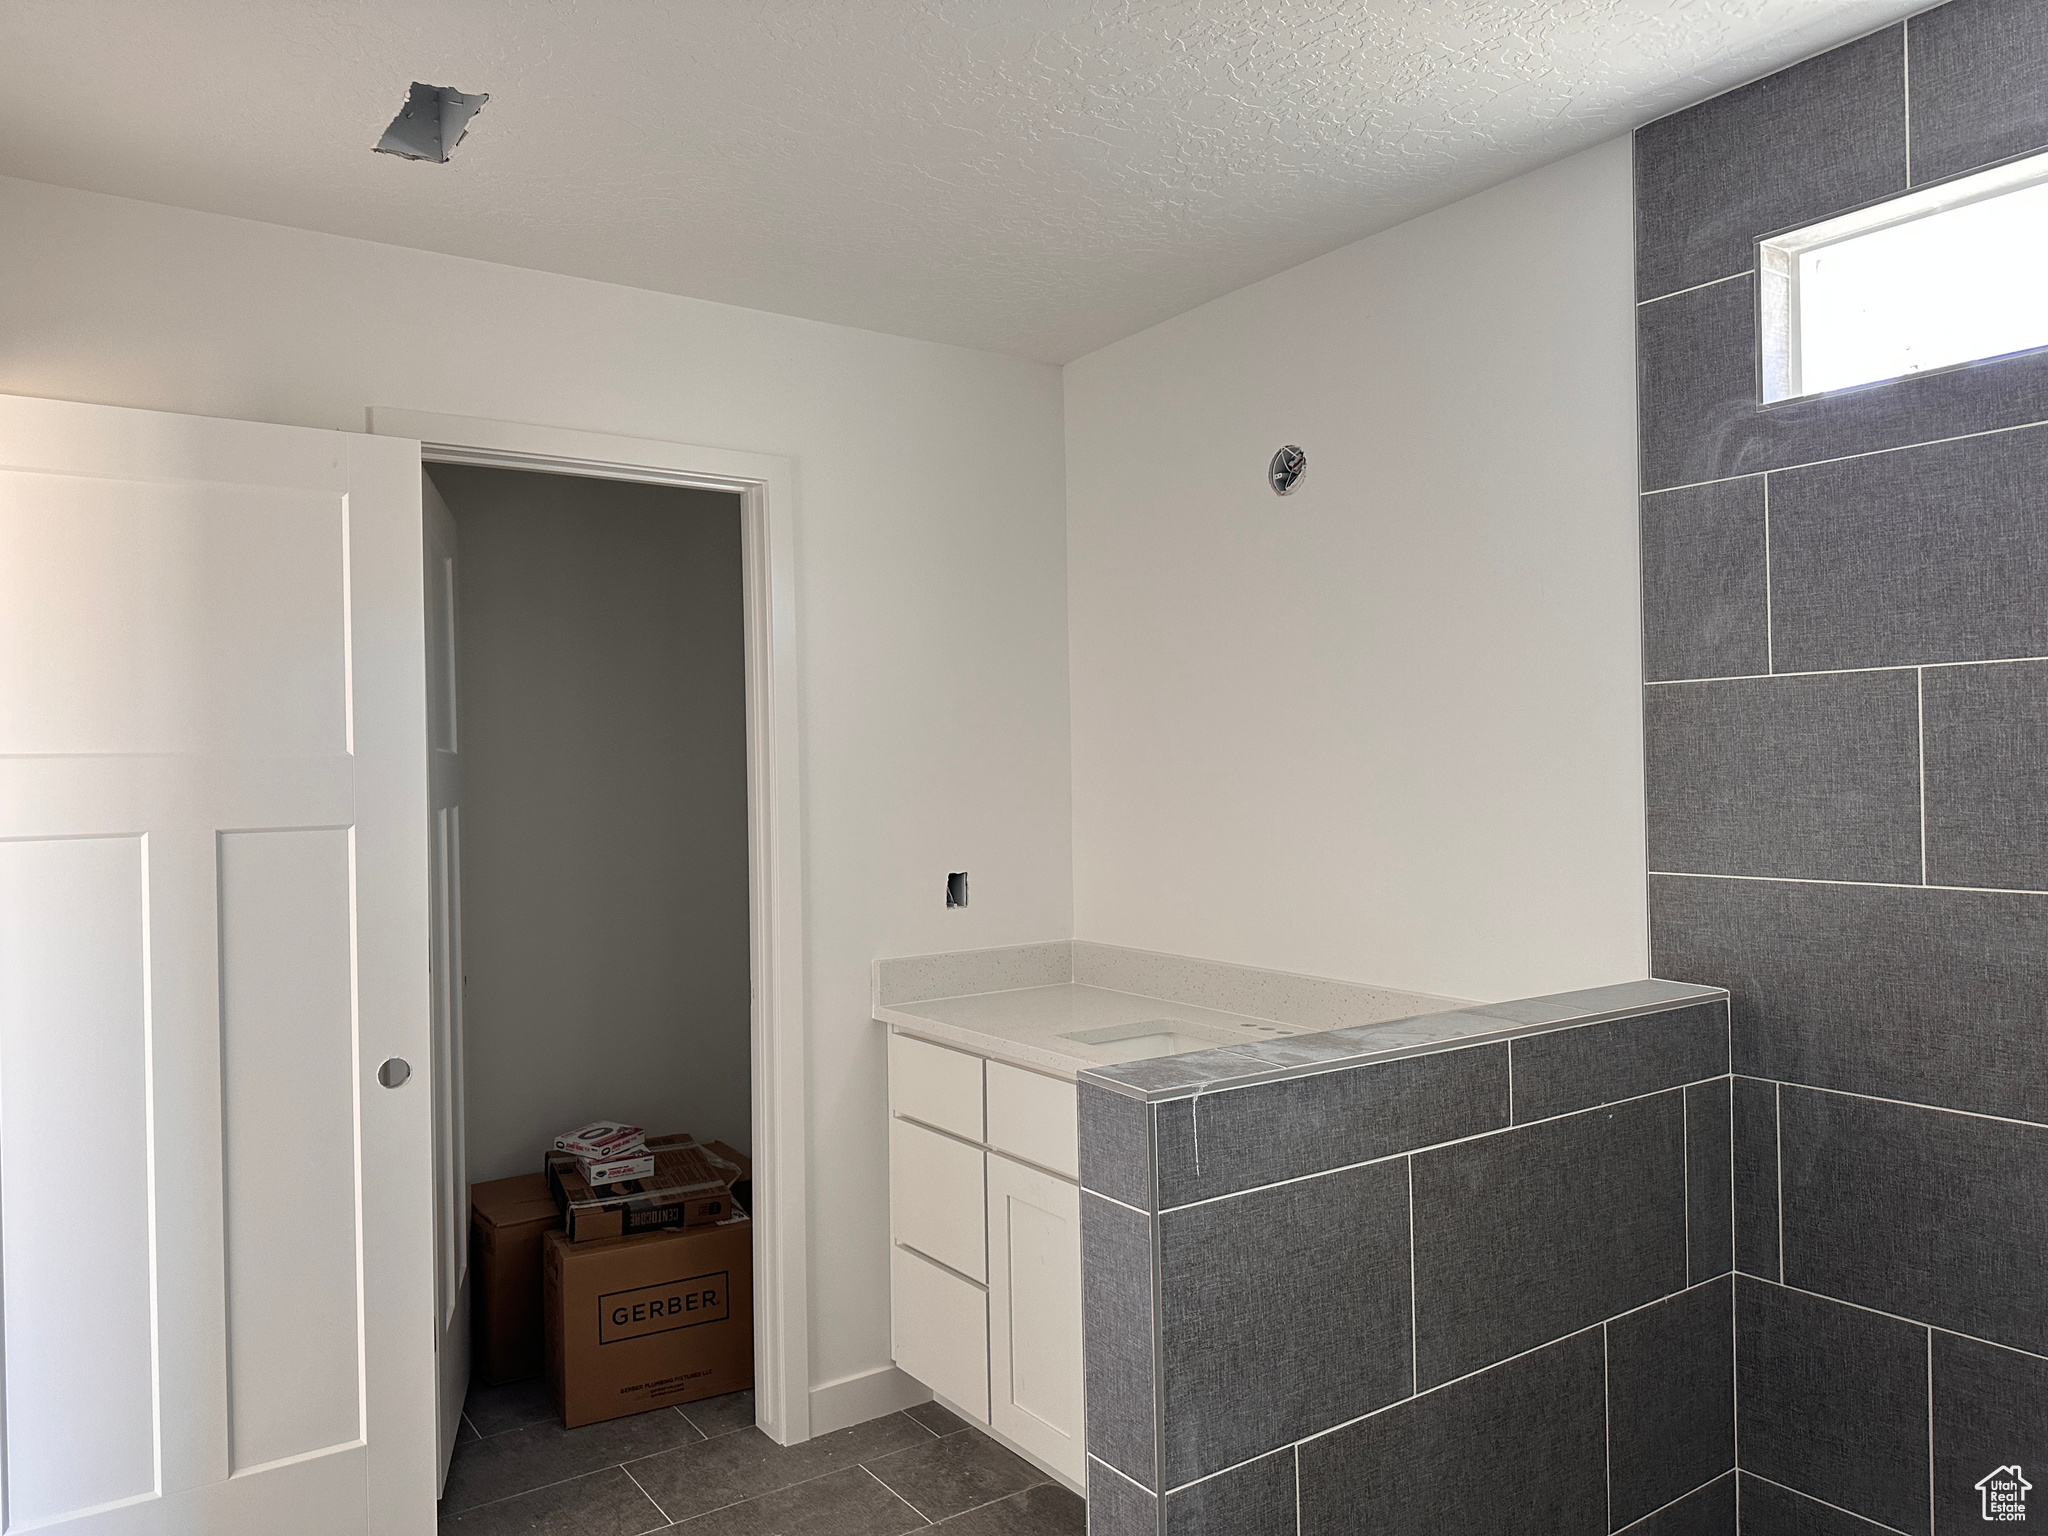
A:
x,y
1462,1273
1846,720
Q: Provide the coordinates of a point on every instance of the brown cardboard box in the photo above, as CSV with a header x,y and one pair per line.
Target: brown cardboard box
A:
x,y
507,1220
643,1322
688,1189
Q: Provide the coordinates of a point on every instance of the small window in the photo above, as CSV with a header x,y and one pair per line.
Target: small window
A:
x,y
1938,277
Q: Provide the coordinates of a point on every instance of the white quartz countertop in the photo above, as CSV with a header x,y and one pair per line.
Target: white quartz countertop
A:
x,y
1025,1026
1020,1004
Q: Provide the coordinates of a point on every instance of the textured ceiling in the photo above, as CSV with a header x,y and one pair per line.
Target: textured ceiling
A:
x,y
1036,177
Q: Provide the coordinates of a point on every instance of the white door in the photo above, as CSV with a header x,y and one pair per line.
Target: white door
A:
x,y
444,854
216,1227
1034,1312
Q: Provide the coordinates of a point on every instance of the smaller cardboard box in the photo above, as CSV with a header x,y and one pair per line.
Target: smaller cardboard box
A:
x,y
691,1186
507,1220
644,1322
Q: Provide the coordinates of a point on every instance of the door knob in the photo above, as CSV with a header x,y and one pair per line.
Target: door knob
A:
x,y
394,1072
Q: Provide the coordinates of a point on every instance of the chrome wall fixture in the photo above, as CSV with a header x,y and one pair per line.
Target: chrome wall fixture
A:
x,y
1286,470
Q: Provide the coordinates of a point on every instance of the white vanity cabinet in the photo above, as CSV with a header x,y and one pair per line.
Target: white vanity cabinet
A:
x,y
985,1244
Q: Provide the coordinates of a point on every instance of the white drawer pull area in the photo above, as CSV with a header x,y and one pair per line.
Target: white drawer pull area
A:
x,y
939,1087
1034,1117
940,1327
936,1198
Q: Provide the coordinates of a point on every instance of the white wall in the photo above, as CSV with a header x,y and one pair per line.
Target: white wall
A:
x,y
930,549
1387,729
603,712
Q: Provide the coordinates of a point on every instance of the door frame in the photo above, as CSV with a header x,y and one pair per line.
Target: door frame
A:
x,y
766,486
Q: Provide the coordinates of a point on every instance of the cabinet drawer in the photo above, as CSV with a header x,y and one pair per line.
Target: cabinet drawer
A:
x,y
940,1087
1034,1117
935,1198
938,1326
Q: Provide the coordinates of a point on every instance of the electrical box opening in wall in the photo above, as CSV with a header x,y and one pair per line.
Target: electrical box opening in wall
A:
x,y
1940,277
956,889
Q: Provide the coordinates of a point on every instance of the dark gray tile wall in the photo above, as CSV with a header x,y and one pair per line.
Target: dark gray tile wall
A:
x,y
1670,1380
1709,1169
1257,1354
1256,1499
1929,554
1700,419
1919,1212
1819,137
1987,774
1770,1509
1571,1069
1706,593
1756,1178
1846,722
1708,1511
1298,1126
1115,1508
1990,1411
1293,1315
1516,1448
1117,1336
1801,778
1575,1219
1832,1400
1979,85
1116,1146
1931,996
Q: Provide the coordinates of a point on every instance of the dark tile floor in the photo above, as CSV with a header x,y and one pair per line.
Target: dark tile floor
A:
x,y
705,1469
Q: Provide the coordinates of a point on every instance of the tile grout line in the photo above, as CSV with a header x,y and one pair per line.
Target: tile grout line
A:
x,y
1120,1472
1155,1256
1867,885
1434,1146
1844,458
1894,666
1778,1140
896,1496
1712,282
1910,1322
1492,1365
1414,1334
1930,1429
1685,1170
650,1498
1770,645
1838,1509
1735,1380
1606,1427
1440,1386
1920,715
1653,1514
1906,95
1931,1109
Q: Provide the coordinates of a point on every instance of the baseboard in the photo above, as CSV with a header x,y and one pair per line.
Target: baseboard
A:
x,y
870,1395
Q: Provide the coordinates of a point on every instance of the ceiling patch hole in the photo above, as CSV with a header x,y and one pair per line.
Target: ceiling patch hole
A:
x,y
432,122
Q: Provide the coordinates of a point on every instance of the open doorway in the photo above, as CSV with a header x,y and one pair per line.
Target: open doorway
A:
x,y
587,673
601,668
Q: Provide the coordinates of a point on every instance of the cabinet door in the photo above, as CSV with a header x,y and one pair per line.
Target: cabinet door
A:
x,y
1034,1293
935,1192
